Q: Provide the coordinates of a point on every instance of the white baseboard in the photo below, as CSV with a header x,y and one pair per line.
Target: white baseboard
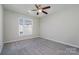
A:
x,y
62,42
65,43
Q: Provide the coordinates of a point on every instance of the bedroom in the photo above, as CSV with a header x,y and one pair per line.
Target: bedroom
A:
x,y
28,30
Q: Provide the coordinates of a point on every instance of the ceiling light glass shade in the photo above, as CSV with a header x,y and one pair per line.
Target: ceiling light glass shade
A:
x,y
40,10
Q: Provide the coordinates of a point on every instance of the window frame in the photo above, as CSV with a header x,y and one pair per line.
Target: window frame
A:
x,y
30,19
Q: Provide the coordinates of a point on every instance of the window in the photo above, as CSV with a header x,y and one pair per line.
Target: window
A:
x,y
25,26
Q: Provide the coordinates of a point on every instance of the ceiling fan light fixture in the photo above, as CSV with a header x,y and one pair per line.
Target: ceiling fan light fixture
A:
x,y
40,10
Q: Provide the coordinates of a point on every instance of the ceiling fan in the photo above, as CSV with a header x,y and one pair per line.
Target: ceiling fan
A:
x,y
40,9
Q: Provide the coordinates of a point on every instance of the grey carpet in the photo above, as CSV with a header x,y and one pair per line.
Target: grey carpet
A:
x,y
38,46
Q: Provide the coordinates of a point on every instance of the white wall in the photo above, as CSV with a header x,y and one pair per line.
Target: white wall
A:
x,y
11,28
62,26
1,27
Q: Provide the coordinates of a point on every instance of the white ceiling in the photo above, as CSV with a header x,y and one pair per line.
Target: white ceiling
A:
x,y
26,8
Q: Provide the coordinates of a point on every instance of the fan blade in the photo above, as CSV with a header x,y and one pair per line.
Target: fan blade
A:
x,y
37,13
44,12
36,6
34,10
46,7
